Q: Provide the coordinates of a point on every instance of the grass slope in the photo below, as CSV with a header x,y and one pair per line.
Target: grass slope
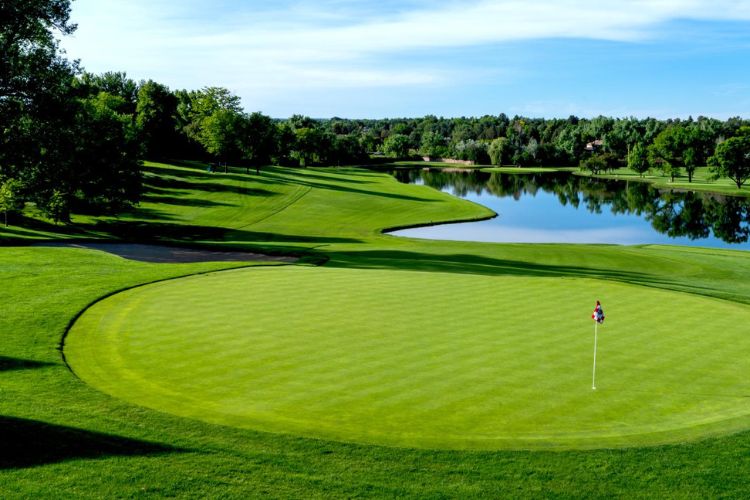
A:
x,y
61,437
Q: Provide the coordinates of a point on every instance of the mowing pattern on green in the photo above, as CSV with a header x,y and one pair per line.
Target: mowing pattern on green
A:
x,y
423,359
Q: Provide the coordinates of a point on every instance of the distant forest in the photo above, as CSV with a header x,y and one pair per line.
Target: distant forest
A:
x,y
71,140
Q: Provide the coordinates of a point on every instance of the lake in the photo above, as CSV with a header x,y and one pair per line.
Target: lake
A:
x,y
565,208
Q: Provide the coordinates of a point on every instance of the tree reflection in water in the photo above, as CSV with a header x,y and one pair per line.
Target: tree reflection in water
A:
x,y
674,213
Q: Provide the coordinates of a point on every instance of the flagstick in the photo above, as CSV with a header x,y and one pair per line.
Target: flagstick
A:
x,y
593,379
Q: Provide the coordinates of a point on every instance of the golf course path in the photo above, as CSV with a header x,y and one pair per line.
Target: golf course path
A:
x,y
167,255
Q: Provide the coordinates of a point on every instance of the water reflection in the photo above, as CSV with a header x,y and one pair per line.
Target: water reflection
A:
x,y
615,212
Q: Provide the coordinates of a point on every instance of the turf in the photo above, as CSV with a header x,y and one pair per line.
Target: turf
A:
x,y
61,437
485,362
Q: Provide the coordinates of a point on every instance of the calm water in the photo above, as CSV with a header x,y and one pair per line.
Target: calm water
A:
x,y
564,208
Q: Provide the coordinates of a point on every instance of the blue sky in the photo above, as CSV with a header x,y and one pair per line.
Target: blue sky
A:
x,y
387,58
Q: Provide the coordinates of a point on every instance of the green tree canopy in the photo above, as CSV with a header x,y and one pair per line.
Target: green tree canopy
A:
x,y
9,197
638,159
732,160
221,133
155,116
397,146
498,151
258,139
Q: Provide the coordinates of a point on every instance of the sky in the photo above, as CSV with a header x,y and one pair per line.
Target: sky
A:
x,y
410,58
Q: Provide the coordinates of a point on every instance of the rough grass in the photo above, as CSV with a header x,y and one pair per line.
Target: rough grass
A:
x,y
61,437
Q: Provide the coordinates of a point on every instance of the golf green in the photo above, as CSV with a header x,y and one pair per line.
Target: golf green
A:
x,y
431,360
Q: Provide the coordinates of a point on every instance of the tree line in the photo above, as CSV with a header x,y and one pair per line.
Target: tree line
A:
x,y
71,140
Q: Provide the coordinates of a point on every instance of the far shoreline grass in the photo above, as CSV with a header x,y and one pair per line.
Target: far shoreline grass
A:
x,y
702,181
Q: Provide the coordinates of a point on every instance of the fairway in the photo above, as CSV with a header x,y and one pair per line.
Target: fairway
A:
x,y
431,360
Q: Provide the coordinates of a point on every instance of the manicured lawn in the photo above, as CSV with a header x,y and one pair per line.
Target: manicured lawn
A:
x,y
701,181
62,437
431,360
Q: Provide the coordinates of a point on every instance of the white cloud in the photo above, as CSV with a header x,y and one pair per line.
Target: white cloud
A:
x,y
344,43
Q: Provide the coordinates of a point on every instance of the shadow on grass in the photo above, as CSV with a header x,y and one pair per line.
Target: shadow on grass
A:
x,y
10,364
185,202
165,185
48,226
143,231
28,443
330,176
304,177
191,173
143,213
344,188
474,264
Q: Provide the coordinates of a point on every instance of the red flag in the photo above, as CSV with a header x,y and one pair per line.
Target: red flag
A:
x,y
598,314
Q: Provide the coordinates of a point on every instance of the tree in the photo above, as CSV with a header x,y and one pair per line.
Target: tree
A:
x,y
155,116
258,139
498,150
471,150
732,159
221,135
302,121
397,146
594,164
194,108
34,86
674,149
9,199
107,160
347,149
209,100
113,83
283,144
432,144
599,163
624,134
663,153
58,206
638,159
308,143
690,161
29,60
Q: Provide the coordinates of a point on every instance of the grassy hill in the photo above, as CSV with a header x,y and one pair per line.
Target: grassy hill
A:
x,y
62,437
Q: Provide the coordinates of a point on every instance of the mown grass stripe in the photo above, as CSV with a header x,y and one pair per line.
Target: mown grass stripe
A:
x,y
504,369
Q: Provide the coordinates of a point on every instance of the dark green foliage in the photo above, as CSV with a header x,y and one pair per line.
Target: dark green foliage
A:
x,y
115,84
498,151
57,206
599,163
68,142
259,139
679,147
310,143
156,115
433,144
397,146
471,150
347,150
638,159
732,159
9,197
105,168
34,84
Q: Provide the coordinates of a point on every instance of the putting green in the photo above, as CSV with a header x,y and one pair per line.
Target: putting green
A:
x,y
417,359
